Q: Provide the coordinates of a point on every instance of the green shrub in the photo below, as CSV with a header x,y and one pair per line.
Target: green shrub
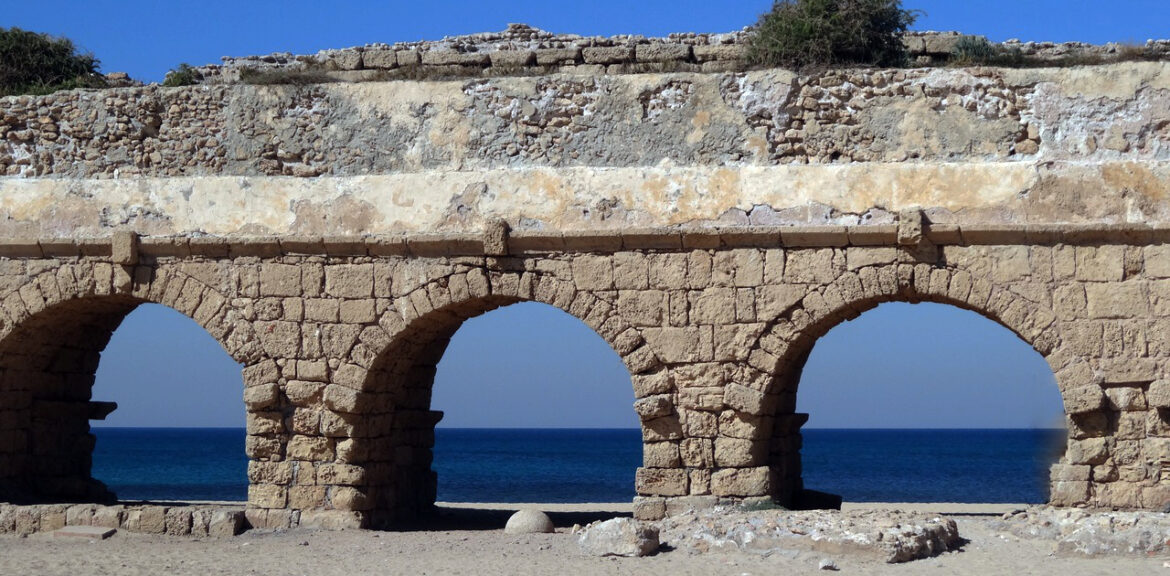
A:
x,y
34,63
184,75
973,50
802,33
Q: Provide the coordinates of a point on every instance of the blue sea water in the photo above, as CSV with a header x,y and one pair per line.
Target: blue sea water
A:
x,y
526,465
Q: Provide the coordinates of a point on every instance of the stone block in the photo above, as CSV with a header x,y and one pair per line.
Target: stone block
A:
x,y
741,482
642,307
379,59
226,523
262,396
1158,395
697,452
178,521
556,56
280,280
593,272
267,496
660,455
674,345
746,400
661,481
711,53
512,58
454,58
654,406
332,519
740,453
306,497
350,280
658,52
1126,398
309,449
1117,300
608,54
349,498
1100,263
124,248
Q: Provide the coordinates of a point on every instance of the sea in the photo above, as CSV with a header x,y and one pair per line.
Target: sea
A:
x,y
592,465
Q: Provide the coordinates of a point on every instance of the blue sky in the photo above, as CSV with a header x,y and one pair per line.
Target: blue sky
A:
x,y
896,366
148,37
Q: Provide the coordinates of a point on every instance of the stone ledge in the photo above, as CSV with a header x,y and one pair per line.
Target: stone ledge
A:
x,y
434,245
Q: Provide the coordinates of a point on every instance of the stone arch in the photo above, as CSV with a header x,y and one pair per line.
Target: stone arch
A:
x,y
379,399
55,325
784,347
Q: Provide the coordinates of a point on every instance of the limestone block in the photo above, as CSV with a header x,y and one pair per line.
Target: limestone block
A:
x,y
642,307
350,280
1087,451
1083,399
349,498
741,482
267,496
608,54
1126,398
332,519
265,423
1069,493
124,248
712,306
710,53
697,452
554,56
1158,395
699,424
658,52
454,58
280,280
379,59
739,452
654,406
660,429
747,400
357,311
147,520
409,58
661,481
270,472
341,474
810,266
675,345
708,399
263,447
1100,263
512,58
306,497
1157,261
660,455
226,523
279,339
178,521
262,396
108,516
593,272
1070,472
631,271
309,449
1117,300
650,384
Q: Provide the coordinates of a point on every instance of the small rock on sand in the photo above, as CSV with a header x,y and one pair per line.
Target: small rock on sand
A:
x,y
529,522
619,537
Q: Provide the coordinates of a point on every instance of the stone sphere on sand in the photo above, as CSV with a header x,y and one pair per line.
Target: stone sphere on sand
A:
x,y
529,522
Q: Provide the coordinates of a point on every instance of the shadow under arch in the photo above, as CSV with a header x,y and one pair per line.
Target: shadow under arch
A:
x,y
397,425
790,340
50,348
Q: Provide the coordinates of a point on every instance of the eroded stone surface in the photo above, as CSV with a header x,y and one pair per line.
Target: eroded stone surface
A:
x,y
1092,533
889,536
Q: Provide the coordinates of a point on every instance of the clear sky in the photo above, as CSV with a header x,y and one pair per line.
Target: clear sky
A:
x,y
148,37
897,366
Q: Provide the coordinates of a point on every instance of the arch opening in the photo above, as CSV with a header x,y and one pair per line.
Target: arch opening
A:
x,y
921,402
178,432
537,407
49,364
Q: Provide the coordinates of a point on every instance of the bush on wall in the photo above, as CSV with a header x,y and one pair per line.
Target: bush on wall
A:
x,y
35,63
802,33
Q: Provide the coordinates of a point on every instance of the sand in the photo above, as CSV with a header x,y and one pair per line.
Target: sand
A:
x,y
467,540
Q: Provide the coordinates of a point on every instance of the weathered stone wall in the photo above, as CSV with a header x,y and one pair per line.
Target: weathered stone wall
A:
x,y
340,337
586,152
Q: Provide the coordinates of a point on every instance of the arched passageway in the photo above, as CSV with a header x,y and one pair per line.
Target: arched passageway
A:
x,y
537,408
397,443
928,402
178,432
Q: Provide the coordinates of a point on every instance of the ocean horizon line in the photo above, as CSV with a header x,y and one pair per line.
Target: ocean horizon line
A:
x,y
857,429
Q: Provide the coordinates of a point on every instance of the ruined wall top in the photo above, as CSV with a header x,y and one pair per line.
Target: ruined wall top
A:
x,y
644,147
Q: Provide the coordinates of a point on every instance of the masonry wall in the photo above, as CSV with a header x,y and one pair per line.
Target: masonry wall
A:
x,y
339,340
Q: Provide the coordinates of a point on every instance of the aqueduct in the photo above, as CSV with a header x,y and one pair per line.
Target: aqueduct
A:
x,y
710,226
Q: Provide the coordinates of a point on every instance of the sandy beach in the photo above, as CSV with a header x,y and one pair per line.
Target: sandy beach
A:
x,y
468,539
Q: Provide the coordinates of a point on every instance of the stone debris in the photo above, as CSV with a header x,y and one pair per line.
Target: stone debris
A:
x,y
90,532
1092,533
888,536
84,520
619,537
529,522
